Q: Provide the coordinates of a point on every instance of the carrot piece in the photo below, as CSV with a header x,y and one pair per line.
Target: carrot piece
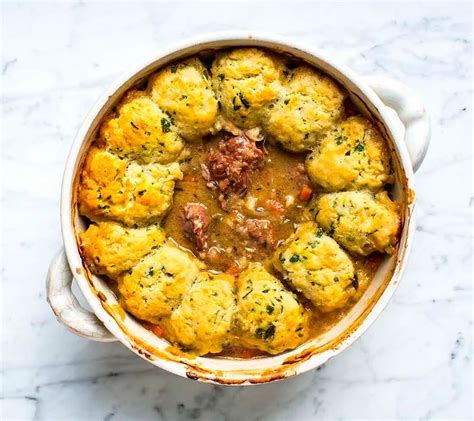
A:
x,y
274,205
233,270
247,353
157,330
305,193
188,178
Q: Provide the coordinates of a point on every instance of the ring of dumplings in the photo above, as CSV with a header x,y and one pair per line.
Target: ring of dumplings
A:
x,y
128,180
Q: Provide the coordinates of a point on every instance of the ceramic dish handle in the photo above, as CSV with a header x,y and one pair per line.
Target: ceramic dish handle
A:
x,y
65,306
411,112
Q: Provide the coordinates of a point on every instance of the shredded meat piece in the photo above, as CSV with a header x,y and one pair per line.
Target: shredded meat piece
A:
x,y
261,230
229,166
196,223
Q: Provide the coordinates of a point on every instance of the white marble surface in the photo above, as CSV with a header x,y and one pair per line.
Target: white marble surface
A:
x,y
414,362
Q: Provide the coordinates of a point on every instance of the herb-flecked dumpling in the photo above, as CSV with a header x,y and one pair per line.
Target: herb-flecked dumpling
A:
x,y
269,317
351,156
140,130
110,248
113,188
184,91
361,221
153,288
309,105
317,267
202,323
246,81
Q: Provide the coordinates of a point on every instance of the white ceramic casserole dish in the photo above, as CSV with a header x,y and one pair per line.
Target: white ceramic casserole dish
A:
x,y
399,115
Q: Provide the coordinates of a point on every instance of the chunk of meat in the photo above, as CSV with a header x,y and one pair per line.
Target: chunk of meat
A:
x,y
156,329
261,230
229,166
196,223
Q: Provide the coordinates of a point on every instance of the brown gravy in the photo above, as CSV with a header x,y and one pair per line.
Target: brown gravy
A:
x,y
273,195
268,198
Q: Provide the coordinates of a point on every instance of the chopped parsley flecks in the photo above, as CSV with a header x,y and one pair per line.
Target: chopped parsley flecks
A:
x,y
150,272
165,125
267,333
359,147
236,107
245,103
242,100
295,258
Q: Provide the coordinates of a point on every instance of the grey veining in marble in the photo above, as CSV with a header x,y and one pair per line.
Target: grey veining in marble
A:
x,y
414,362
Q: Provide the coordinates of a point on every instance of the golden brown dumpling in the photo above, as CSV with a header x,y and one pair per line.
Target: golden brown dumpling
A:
x,y
110,248
202,322
317,267
361,221
141,131
352,156
309,105
155,286
269,317
246,81
184,91
120,190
